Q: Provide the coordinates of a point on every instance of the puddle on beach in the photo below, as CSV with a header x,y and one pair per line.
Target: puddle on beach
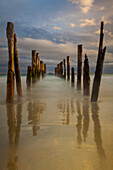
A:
x,y
54,127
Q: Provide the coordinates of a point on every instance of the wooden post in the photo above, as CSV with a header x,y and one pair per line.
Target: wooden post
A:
x,y
55,71
42,67
79,69
64,68
68,67
33,66
99,67
38,64
61,69
58,69
10,74
17,69
29,75
86,77
72,75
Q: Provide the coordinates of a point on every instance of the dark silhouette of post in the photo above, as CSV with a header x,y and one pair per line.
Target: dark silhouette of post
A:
x,y
29,75
68,67
79,68
33,66
17,69
58,69
72,75
64,68
10,74
61,68
38,64
45,69
55,71
42,67
99,67
86,77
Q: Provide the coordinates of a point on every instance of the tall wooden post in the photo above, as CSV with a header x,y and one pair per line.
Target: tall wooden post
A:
x,y
64,68
86,77
68,67
72,75
33,66
17,69
79,69
99,67
38,64
10,74
29,75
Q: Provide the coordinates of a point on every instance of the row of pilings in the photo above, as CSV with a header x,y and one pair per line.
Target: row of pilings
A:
x,y
33,72
37,69
60,70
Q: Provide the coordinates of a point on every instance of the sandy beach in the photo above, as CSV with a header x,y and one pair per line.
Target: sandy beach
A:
x,y
53,126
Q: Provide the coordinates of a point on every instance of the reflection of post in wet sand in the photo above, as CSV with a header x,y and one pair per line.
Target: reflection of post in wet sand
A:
x,y
68,113
14,133
79,125
19,122
97,130
85,119
72,106
34,111
62,107
66,107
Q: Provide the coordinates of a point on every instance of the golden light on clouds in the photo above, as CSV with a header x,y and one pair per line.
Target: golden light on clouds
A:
x,y
85,6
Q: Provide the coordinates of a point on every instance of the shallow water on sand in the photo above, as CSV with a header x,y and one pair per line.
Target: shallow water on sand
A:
x,y
53,127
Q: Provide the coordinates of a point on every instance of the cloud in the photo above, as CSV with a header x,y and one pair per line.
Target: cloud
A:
x,y
85,5
87,22
72,25
105,31
102,8
57,28
106,21
47,48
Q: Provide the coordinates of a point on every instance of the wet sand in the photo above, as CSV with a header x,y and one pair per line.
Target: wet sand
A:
x,y
53,126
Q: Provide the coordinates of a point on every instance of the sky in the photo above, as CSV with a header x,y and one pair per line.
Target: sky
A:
x,y
54,28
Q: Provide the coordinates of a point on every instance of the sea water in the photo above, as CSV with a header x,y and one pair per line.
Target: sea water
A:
x,y
54,127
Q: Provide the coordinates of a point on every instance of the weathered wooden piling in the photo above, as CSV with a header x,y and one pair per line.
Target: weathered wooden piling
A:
x,y
79,67
34,76
17,69
45,69
38,65
64,68
86,77
55,71
10,74
42,67
72,75
29,76
99,66
58,67
61,69
68,67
